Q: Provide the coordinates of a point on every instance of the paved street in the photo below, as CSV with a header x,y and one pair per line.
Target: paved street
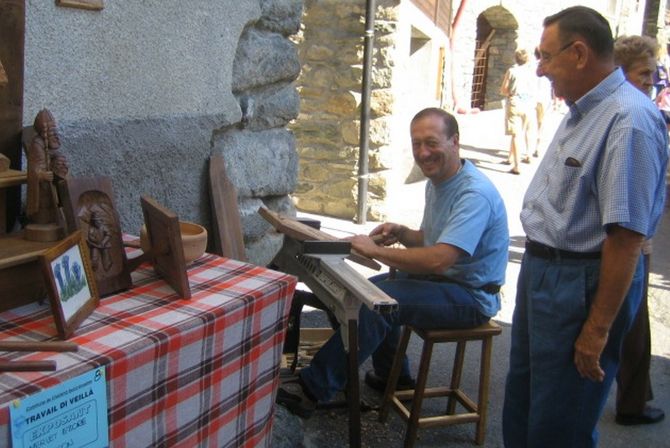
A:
x,y
483,142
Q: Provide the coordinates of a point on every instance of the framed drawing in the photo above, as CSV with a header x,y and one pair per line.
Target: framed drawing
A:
x,y
70,283
95,5
88,205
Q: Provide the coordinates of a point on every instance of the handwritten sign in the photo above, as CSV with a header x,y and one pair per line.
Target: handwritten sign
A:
x,y
70,415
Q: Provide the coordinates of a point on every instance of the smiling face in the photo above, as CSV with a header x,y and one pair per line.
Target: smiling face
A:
x,y
556,62
640,74
434,152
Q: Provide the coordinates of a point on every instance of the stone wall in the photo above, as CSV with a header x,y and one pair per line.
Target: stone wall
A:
x,y
327,130
144,92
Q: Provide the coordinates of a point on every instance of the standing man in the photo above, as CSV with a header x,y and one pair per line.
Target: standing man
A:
x,y
451,268
597,194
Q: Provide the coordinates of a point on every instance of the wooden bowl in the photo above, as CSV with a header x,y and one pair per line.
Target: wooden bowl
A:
x,y
193,240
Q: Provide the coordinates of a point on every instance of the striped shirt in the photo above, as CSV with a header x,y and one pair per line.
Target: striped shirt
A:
x,y
606,165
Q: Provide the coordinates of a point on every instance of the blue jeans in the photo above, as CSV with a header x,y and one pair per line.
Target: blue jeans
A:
x,y
547,402
421,303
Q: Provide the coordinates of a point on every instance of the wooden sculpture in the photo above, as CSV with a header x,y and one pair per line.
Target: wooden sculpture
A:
x,y
3,76
88,204
46,165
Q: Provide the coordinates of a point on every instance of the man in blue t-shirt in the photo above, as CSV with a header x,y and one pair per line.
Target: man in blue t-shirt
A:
x,y
450,269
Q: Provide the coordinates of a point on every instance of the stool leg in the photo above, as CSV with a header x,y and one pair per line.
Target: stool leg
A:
x,y
394,374
456,374
484,374
353,387
421,380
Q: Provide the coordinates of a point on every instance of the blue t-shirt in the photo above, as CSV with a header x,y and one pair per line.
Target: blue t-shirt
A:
x,y
467,211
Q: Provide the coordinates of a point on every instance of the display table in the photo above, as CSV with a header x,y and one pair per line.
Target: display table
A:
x,y
198,372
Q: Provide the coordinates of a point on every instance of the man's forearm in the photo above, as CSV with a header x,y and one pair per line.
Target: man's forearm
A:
x,y
418,260
620,255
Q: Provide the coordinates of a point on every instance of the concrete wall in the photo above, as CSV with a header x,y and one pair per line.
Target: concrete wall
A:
x,y
144,92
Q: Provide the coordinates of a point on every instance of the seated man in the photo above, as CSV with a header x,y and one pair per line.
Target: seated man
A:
x,y
450,270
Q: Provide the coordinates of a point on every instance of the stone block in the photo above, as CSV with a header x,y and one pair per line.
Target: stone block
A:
x,y
264,58
261,163
281,16
272,107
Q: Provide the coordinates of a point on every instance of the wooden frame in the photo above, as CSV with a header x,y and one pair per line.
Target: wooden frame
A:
x,y
88,205
167,252
73,292
94,5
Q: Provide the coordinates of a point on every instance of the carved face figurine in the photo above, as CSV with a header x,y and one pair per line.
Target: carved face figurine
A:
x,y
45,126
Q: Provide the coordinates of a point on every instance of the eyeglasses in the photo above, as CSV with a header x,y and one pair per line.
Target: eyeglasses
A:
x,y
545,58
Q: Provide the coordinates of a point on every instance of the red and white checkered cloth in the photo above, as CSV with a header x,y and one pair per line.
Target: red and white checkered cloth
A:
x,y
180,373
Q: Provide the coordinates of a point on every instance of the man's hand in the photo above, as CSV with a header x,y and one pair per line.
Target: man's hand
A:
x,y
364,245
588,348
388,233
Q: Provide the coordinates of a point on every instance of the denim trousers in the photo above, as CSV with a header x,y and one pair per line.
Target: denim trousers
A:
x,y
547,402
421,303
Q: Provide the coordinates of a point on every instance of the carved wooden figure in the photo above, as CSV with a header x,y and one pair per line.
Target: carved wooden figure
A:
x,y
88,204
46,165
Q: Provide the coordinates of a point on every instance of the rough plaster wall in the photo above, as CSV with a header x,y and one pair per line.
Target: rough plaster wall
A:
x,y
145,91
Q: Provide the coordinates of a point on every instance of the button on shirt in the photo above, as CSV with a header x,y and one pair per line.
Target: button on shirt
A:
x,y
605,165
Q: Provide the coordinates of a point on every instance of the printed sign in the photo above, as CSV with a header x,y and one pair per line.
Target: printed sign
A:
x,y
70,415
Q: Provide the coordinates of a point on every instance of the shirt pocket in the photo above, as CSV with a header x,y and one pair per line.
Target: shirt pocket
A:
x,y
564,184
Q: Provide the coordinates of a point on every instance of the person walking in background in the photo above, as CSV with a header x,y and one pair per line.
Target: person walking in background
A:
x,y
660,75
636,55
543,102
518,87
597,194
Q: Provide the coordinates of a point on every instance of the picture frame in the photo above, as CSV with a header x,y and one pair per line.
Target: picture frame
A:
x,y
94,5
89,206
70,283
167,253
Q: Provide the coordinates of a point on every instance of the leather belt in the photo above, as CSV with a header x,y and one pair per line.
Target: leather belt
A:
x,y
490,288
551,253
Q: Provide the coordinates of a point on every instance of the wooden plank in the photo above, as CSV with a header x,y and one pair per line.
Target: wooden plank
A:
x,y
35,346
88,205
228,235
302,232
166,252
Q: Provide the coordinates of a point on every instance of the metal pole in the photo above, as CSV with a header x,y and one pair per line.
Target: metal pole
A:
x,y
365,113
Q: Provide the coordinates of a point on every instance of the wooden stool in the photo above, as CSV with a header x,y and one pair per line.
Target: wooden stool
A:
x,y
477,411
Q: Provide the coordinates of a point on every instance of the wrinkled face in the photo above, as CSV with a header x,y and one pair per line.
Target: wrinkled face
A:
x,y
53,138
434,152
640,74
557,62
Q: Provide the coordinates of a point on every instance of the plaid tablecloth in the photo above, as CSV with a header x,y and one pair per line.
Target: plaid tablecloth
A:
x,y
180,373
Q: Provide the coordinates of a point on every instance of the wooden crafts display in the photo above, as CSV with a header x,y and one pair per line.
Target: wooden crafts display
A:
x,y
21,280
46,166
227,228
302,232
8,178
32,346
93,5
88,205
70,283
167,253
317,259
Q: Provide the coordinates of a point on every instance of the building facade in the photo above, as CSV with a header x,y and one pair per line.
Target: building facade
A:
x,y
446,53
